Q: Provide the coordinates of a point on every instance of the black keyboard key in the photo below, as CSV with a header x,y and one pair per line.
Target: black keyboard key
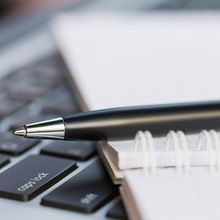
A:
x,y
35,75
78,150
33,175
4,161
117,212
12,145
18,76
9,106
34,91
85,192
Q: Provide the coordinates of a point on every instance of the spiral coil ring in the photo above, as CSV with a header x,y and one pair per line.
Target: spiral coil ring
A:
x,y
177,142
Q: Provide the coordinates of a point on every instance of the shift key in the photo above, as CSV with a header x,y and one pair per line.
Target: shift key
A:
x,y
33,175
85,192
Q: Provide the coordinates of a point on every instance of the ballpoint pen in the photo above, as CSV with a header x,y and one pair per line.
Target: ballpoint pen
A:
x,y
124,122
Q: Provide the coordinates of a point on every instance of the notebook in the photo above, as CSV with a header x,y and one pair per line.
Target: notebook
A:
x,y
179,180
131,59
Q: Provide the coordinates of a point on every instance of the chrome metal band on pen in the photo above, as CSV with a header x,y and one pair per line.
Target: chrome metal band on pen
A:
x,y
53,128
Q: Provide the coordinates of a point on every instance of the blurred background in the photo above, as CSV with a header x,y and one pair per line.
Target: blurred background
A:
x,y
25,18
20,16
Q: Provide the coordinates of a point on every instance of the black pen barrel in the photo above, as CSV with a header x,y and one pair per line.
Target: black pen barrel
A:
x,y
123,123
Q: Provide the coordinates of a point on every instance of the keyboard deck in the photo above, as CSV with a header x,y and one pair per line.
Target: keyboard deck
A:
x,y
52,175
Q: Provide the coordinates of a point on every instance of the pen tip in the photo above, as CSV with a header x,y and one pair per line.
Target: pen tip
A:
x,y
20,131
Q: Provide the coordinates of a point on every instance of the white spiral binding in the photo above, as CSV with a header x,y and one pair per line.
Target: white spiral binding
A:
x,y
209,141
145,142
180,147
177,142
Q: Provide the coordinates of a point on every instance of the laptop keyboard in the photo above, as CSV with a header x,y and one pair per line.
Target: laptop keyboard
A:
x,y
30,167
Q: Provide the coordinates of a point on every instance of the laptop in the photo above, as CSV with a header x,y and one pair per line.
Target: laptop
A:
x,y
56,180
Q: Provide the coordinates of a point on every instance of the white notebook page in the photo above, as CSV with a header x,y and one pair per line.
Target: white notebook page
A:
x,y
127,59
172,197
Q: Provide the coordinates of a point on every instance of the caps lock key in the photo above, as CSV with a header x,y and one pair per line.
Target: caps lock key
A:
x,y
33,175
